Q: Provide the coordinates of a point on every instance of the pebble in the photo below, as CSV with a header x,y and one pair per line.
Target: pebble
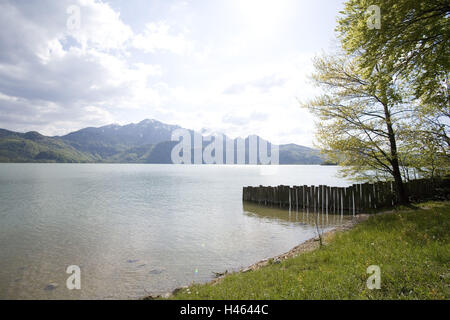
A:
x,y
50,287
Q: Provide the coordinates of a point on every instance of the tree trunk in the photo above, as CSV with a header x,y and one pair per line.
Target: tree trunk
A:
x,y
401,195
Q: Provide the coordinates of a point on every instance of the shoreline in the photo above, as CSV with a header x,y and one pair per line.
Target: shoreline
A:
x,y
306,246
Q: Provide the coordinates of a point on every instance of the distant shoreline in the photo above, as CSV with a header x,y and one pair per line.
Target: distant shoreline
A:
x,y
187,164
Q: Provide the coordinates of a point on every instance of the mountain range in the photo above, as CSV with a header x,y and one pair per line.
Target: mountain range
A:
x,y
148,141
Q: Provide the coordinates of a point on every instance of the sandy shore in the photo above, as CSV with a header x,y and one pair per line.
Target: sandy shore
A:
x,y
306,246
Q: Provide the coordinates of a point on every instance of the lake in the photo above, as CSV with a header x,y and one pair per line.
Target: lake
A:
x,y
137,229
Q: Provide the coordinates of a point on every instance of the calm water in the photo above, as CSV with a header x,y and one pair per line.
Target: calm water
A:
x,y
136,230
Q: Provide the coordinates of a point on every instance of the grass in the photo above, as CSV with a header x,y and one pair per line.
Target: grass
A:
x,y
411,246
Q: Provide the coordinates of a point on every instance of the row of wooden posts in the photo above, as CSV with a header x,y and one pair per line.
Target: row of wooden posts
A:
x,y
337,200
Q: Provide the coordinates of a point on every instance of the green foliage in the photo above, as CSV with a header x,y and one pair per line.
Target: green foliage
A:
x,y
132,155
421,154
411,246
294,154
106,144
20,149
359,121
412,41
386,99
412,46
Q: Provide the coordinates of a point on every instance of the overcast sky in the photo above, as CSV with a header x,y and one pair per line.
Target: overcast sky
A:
x,y
234,66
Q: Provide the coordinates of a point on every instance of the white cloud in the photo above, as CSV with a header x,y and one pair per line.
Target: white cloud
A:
x,y
222,65
157,36
100,27
264,102
53,76
263,84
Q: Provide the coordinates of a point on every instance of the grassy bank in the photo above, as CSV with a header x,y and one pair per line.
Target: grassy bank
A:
x,y
411,246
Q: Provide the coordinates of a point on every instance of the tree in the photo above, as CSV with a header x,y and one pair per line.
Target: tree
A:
x,y
413,44
386,105
421,154
360,120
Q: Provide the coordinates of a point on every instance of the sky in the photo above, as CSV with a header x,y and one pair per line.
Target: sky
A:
x,y
232,66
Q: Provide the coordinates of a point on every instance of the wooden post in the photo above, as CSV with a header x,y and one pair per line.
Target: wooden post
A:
x,y
320,202
327,198
353,199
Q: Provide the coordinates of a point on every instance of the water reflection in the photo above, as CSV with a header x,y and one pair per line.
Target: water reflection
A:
x,y
136,230
289,216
